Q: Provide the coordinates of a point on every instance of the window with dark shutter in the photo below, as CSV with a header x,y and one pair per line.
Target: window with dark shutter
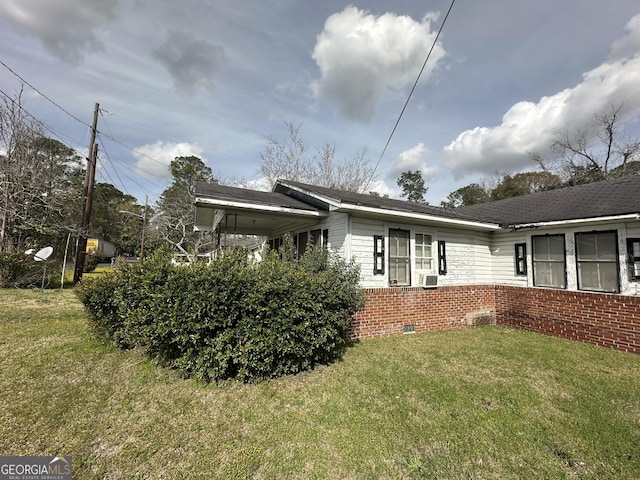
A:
x,y
521,258
378,255
442,257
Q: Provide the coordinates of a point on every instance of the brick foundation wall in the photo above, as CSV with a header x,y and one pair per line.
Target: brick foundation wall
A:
x,y
602,319
389,310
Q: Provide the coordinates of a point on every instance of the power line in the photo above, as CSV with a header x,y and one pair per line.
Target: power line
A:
x,y
98,132
435,41
44,96
51,130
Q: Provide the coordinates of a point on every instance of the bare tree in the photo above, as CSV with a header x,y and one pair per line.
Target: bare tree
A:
x,y
289,159
601,151
39,181
286,159
16,131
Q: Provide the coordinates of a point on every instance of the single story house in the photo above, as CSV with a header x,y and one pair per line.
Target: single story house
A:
x,y
564,262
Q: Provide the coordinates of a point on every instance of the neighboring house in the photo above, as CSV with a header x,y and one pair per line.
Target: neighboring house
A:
x,y
576,239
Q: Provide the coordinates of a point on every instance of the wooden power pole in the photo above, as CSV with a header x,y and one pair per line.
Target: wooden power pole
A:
x,y
87,200
144,224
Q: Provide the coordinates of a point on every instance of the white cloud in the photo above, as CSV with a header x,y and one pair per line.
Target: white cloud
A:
x,y
361,57
629,45
192,62
381,187
528,126
66,28
153,160
413,159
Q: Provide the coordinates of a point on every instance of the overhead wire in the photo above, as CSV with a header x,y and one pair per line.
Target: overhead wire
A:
x,y
109,136
43,95
46,127
393,131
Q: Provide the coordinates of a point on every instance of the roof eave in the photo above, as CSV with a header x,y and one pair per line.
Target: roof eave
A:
x,y
228,204
421,216
610,218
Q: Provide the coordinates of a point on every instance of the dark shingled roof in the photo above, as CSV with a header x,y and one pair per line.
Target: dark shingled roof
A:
x,y
244,195
365,200
601,199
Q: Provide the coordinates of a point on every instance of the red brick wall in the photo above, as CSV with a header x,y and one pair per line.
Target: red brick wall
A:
x,y
602,319
388,310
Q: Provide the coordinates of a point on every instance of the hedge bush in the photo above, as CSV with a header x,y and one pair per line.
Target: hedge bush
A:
x,y
232,318
18,270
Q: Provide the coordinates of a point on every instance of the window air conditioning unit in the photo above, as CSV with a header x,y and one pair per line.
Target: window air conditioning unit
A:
x,y
428,280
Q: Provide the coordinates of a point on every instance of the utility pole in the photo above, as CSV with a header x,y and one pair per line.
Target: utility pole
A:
x,y
144,224
87,200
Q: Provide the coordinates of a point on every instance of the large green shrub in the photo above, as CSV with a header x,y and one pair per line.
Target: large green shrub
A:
x,y
232,318
18,270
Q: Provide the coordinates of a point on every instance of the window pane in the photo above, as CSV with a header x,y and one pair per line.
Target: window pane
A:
x,y
636,249
540,248
586,243
636,269
598,276
589,276
419,250
315,237
542,273
557,274
606,246
556,248
609,277
424,263
403,245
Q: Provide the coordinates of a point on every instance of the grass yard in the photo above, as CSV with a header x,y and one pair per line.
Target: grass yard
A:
x,y
481,403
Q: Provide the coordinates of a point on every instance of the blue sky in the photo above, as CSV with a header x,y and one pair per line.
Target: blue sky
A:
x,y
214,78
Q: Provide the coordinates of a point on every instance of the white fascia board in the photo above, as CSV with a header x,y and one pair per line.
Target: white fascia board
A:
x,y
423,217
333,204
555,223
228,204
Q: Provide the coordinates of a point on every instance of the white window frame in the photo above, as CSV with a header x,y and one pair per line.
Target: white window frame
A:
x,y
419,259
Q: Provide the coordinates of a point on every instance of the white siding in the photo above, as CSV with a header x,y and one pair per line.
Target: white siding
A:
x,y
468,257
504,260
362,234
468,253
337,223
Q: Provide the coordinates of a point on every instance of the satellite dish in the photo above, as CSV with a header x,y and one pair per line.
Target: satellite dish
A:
x,y
43,254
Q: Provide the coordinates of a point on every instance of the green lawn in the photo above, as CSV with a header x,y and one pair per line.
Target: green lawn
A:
x,y
482,403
